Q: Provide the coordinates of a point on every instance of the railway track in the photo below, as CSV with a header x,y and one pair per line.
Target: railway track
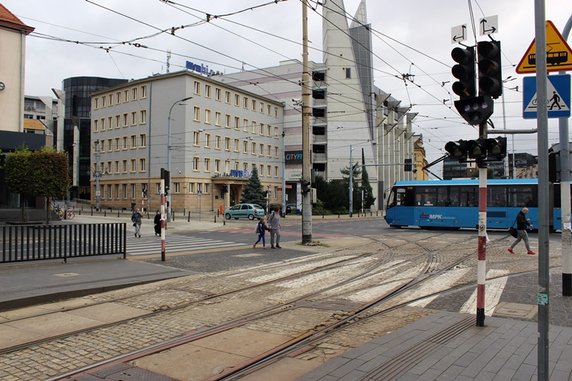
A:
x,y
399,265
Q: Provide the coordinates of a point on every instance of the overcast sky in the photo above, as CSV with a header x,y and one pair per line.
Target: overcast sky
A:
x,y
410,37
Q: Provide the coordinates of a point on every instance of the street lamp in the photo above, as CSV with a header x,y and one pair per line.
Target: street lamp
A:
x,y
169,151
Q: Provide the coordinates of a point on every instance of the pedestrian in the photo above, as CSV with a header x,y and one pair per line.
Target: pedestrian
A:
x,y
274,223
136,219
157,223
261,228
522,224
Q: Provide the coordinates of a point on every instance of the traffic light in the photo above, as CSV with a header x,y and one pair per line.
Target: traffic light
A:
x,y
475,110
496,148
476,150
464,71
305,186
457,150
490,71
166,175
408,167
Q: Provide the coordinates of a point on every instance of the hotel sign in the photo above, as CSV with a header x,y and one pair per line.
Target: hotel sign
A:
x,y
293,157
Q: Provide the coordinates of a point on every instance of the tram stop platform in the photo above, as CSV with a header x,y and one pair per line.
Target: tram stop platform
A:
x,y
449,346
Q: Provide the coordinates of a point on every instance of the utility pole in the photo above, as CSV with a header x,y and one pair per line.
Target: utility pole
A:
x,y
351,181
306,158
97,176
543,194
566,236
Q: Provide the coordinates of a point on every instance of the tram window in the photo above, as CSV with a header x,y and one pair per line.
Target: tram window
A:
x,y
519,196
401,197
468,196
497,196
454,196
426,196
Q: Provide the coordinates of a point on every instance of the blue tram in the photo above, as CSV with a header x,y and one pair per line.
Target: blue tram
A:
x,y
455,203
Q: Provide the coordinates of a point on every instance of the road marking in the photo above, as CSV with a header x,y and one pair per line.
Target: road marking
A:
x,y
494,289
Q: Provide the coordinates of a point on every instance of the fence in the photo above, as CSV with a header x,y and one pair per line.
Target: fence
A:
x,y
62,241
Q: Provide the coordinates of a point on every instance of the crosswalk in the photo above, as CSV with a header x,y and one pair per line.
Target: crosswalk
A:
x,y
148,245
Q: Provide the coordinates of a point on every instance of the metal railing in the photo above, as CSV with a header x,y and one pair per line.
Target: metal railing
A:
x,y
22,243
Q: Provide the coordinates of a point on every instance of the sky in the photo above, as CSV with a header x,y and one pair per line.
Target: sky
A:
x,y
411,38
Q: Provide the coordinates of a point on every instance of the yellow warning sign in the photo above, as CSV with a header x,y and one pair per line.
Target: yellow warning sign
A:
x,y
558,53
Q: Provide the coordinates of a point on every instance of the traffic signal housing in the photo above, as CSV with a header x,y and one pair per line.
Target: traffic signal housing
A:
x,y
490,70
305,186
464,71
496,148
457,150
475,110
166,175
408,165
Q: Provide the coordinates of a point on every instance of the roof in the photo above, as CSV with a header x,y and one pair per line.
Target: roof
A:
x,y
10,21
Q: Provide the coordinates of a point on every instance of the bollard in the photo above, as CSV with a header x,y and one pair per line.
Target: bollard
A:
x,y
215,218
118,214
189,217
223,222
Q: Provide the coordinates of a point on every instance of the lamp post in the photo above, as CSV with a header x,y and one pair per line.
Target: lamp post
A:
x,y
169,151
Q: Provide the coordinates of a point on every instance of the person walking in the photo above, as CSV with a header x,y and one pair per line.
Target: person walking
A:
x,y
136,219
274,223
157,223
261,231
522,224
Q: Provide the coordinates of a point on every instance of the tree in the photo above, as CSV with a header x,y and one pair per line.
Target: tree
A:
x,y
367,192
18,176
253,192
50,174
42,173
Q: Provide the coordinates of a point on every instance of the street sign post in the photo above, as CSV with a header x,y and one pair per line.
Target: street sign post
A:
x,y
558,97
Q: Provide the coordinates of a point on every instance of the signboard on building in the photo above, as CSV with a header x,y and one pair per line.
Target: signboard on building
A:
x,y
293,157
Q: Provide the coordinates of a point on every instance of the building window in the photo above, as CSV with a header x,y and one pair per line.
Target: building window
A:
x,y
261,128
254,105
103,101
143,117
177,187
110,122
217,93
269,150
197,88
117,121
217,118
261,171
142,165
253,148
116,166
236,145
142,140
207,116
143,91
125,145
276,151
261,149
269,170
208,91
96,103
245,102
196,136
236,123
133,141
133,165
117,144
125,120
227,144
197,114
124,169
227,121
217,142
348,73
134,93
191,187
95,125
245,125
133,118
102,122
275,171
217,165
110,97
207,140
269,130
245,146
253,127
206,188
227,96
126,95
124,190
207,164
109,145
133,194
236,100
199,188
268,109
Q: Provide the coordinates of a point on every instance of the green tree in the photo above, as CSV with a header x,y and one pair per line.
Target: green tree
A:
x,y
18,176
356,173
253,192
50,174
42,173
367,192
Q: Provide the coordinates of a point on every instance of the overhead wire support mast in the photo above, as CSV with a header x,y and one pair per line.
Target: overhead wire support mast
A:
x,y
306,158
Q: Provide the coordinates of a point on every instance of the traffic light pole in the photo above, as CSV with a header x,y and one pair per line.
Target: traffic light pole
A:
x,y
163,220
306,110
482,235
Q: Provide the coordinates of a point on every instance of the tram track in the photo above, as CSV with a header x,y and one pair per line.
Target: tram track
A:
x,y
375,266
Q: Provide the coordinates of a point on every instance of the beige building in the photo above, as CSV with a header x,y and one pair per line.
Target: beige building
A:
x,y
218,134
12,69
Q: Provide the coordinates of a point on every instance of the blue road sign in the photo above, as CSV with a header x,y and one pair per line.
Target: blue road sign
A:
x,y
557,92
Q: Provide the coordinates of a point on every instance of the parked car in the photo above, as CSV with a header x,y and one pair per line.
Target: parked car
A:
x,y
250,211
291,208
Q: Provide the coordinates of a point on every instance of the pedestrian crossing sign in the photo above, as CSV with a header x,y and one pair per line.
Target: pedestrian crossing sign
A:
x,y
557,94
558,53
